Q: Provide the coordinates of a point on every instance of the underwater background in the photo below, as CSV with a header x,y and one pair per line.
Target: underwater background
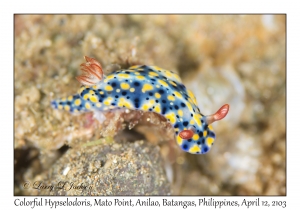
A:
x,y
234,59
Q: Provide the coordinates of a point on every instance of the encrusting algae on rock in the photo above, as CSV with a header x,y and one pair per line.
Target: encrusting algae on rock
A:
x,y
149,89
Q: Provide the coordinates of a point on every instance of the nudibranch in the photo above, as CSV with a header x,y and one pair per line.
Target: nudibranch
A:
x,y
147,88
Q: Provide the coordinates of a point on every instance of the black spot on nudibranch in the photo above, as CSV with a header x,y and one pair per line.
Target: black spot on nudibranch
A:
x,y
185,123
185,147
200,134
164,110
176,107
136,84
124,93
161,91
137,103
182,104
113,84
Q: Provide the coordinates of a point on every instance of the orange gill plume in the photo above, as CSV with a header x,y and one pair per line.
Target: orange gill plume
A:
x,y
92,70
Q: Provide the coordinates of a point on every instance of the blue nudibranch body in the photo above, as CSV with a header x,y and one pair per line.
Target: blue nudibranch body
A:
x,y
147,88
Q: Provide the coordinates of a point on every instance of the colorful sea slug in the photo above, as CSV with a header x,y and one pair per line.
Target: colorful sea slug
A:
x,y
147,88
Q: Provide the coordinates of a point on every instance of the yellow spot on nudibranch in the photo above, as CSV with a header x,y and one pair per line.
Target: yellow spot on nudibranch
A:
x,y
125,86
192,122
131,89
60,106
109,77
194,149
195,137
125,76
162,82
67,107
209,141
147,87
125,103
118,90
77,102
180,112
64,99
169,74
108,88
95,86
157,95
193,98
140,77
134,67
189,106
171,98
176,77
108,101
197,117
179,140
85,97
81,89
94,99
156,68
145,107
205,133
70,98
152,102
98,105
87,106
171,117
177,94
157,109
173,83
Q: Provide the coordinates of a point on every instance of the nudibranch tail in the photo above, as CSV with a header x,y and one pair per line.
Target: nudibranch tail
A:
x,y
219,115
73,104
93,72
